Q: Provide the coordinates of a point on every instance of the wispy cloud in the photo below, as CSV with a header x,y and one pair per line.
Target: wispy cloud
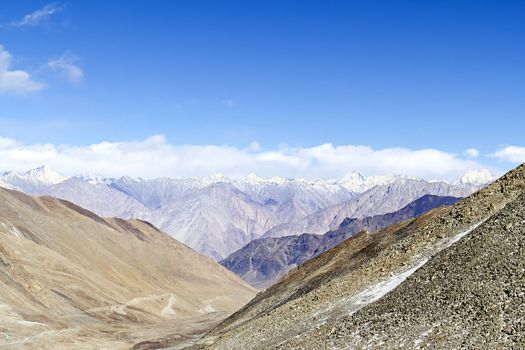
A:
x,y
156,157
472,152
228,103
37,17
513,154
65,66
17,81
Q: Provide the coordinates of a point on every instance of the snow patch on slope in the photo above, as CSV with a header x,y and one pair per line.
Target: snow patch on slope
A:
x,y
378,290
11,229
168,311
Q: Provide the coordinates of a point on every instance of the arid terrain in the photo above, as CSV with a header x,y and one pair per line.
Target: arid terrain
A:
x,y
71,279
262,175
453,278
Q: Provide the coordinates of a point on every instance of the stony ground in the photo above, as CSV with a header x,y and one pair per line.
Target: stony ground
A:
x,y
471,289
471,295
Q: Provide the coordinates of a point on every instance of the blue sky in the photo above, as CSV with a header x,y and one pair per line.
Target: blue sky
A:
x,y
441,75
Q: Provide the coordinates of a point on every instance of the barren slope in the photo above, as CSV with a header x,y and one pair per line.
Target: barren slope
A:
x,y
312,306
71,279
471,295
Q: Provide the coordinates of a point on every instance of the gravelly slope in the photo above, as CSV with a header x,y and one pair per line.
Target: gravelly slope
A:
x,y
468,295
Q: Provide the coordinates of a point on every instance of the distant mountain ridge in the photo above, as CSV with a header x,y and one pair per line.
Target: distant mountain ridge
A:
x,y
217,215
263,261
378,200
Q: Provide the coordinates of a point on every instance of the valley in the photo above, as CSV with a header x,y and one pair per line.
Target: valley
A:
x,y
262,175
72,279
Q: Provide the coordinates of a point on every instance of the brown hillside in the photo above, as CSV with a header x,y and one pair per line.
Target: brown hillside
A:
x,y
71,279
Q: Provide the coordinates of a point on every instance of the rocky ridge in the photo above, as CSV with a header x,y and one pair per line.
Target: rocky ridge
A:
x,y
432,270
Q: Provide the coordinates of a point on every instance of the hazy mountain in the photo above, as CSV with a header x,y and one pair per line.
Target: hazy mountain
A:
x,y
292,199
34,181
452,278
217,219
378,200
71,279
97,197
358,183
474,178
157,192
217,215
263,261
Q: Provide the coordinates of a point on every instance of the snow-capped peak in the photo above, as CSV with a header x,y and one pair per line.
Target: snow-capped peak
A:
x,y
354,176
356,182
475,177
94,179
215,178
253,179
45,175
279,180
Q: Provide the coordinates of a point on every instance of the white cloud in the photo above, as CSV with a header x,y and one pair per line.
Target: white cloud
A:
x,y
17,81
155,157
472,152
513,154
64,65
254,146
228,103
38,16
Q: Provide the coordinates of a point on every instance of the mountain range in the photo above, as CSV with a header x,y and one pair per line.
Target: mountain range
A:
x,y
217,215
452,278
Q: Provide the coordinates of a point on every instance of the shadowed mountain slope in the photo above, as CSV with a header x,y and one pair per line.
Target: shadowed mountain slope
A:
x,y
71,279
263,261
